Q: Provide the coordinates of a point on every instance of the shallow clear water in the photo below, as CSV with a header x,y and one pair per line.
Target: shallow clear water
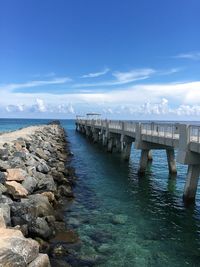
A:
x,y
127,220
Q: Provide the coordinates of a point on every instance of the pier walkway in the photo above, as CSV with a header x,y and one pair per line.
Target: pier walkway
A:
x,y
119,136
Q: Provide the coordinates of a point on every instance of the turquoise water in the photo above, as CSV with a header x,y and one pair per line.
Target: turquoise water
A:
x,y
126,220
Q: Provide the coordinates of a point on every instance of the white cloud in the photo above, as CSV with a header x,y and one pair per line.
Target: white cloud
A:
x,y
133,75
40,106
96,74
14,86
121,78
189,55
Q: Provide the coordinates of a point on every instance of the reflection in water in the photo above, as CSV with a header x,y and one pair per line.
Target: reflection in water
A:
x,y
128,220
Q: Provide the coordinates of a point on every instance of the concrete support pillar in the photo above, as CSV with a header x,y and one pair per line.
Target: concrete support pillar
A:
x,y
95,136
171,160
191,183
126,152
143,161
104,139
150,156
110,145
117,145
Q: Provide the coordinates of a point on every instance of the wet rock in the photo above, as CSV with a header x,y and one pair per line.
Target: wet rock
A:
x,y
42,260
16,175
59,263
59,250
69,236
16,190
119,219
15,250
73,222
65,191
44,245
30,184
40,227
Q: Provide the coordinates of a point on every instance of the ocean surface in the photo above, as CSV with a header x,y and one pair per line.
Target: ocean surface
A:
x,y
125,220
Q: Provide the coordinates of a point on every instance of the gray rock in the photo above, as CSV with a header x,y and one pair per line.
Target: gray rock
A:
x,y
47,184
6,213
119,219
15,249
20,154
39,227
16,162
4,165
3,189
40,153
30,184
42,260
42,167
2,221
2,177
4,154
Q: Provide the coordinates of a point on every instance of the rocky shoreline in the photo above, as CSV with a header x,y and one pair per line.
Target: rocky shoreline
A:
x,y
36,183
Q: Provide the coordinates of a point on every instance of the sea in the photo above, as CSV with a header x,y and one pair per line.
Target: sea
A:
x,y
126,220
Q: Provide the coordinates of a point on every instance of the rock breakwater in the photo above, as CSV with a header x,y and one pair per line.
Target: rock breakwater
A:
x,y
35,182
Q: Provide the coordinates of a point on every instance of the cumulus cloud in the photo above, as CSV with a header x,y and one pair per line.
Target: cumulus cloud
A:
x,y
96,74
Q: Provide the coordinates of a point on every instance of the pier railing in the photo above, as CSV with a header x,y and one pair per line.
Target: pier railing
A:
x,y
194,133
166,130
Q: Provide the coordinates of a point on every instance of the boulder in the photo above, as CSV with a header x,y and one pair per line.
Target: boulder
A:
x,y
2,177
16,162
16,189
40,227
16,174
15,249
4,165
42,167
41,204
65,191
47,184
6,213
30,184
41,154
2,221
3,189
50,196
42,260
4,154
20,154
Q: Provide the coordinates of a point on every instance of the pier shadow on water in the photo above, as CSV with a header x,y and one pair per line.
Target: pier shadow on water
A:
x,y
128,220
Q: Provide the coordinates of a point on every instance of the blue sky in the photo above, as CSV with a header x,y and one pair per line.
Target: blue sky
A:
x,y
136,59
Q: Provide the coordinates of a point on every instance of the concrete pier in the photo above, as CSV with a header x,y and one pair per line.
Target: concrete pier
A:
x,y
118,136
